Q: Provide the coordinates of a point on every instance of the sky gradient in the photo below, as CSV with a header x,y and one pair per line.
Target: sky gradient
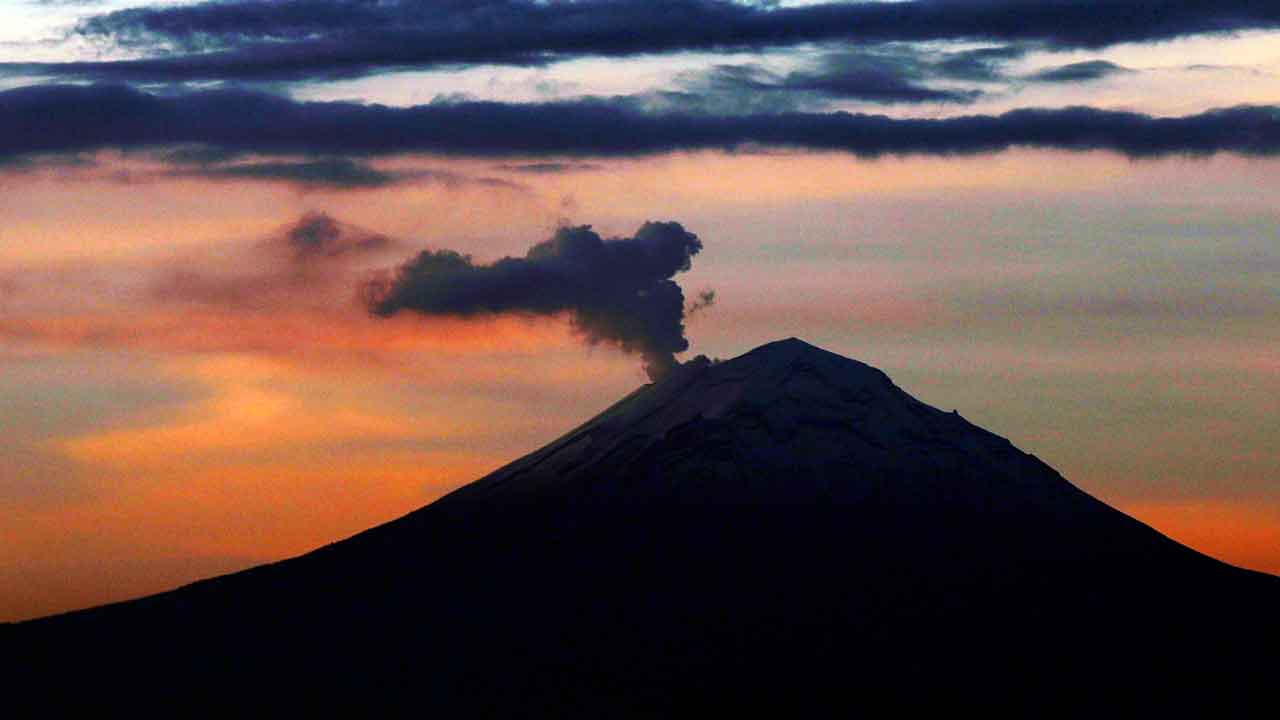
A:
x,y
1061,224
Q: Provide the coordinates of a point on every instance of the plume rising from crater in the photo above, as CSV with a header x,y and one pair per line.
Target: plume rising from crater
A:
x,y
618,291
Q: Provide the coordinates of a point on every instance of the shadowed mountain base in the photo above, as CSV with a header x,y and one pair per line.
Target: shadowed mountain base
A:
x,y
786,531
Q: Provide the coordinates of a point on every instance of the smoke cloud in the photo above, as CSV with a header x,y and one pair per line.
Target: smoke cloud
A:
x,y
313,263
618,291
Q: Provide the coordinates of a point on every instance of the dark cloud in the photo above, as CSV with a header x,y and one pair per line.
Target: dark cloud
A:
x,y
63,119
1079,72
885,75
298,39
616,291
978,65
882,77
722,90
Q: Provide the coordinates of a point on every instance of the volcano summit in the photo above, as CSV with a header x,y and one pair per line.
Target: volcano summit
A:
x,y
784,531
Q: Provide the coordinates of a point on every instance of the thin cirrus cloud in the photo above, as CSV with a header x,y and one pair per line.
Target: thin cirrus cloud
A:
x,y
888,74
550,168
323,173
897,75
67,119
302,39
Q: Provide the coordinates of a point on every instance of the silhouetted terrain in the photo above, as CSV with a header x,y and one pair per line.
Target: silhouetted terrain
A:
x,y
785,531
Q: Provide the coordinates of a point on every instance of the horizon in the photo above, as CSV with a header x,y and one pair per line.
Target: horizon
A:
x,y
264,285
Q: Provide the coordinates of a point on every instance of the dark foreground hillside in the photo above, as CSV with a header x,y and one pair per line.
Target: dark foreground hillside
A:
x,y
786,531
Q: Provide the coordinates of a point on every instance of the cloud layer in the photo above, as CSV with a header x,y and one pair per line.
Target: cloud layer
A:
x,y
299,39
62,119
616,291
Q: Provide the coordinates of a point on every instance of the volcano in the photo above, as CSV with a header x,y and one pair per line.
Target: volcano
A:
x,y
786,531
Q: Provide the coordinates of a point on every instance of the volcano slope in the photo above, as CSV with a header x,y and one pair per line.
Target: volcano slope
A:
x,y
785,531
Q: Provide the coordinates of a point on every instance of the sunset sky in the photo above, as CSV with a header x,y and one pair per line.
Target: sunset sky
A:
x,y
1059,218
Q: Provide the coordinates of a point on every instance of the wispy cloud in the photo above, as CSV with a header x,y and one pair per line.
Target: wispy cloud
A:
x,y
883,76
1079,72
330,173
326,173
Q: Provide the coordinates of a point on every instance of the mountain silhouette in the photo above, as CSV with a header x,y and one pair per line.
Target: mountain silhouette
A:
x,y
784,532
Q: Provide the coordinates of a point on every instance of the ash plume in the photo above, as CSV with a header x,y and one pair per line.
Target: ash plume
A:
x,y
310,262
618,291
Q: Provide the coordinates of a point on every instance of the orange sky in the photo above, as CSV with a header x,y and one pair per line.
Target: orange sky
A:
x,y
1115,318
